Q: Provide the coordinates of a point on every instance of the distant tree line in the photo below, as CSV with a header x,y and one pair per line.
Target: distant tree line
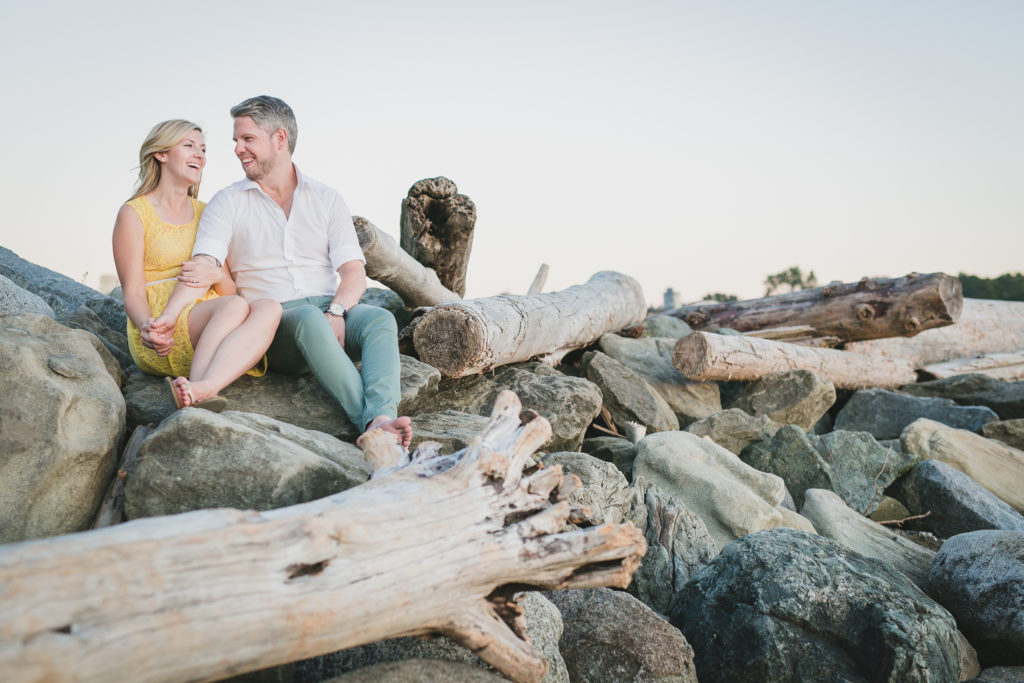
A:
x,y
1007,287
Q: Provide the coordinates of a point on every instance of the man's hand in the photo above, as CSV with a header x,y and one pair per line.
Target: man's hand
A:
x,y
338,325
200,272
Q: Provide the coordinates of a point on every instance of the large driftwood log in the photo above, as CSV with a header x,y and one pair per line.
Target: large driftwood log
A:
x,y
984,327
869,309
705,356
467,337
438,545
389,265
437,229
1004,366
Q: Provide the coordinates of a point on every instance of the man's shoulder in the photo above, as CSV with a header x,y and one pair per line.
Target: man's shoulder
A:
x,y
320,189
234,189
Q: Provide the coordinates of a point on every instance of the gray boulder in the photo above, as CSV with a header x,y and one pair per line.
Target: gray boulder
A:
x,y
604,491
59,427
626,395
665,326
1000,674
63,294
678,544
885,414
1010,432
15,300
611,637
852,464
730,497
834,519
295,399
797,397
570,404
417,670
993,464
116,341
1005,398
954,503
735,429
651,359
543,628
450,428
979,578
782,605
616,450
197,459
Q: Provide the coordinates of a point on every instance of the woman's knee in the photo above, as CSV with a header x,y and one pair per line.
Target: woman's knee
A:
x,y
266,308
235,306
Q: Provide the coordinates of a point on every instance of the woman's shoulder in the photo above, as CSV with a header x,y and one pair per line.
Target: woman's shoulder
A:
x,y
199,206
140,206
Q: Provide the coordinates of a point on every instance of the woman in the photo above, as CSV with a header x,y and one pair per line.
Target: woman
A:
x,y
206,338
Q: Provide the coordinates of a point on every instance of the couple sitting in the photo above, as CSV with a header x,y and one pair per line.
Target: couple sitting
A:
x,y
253,279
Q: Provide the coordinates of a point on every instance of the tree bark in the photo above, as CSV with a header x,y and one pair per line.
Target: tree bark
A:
x,y
435,545
537,286
1004,366
112,508
389,265
437,229
984,327
467,337
705,356
869,309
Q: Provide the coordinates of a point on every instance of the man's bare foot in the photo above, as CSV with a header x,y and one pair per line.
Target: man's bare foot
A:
x,y
401,427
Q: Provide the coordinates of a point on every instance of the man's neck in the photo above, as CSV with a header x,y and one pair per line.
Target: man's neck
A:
x,y
280,185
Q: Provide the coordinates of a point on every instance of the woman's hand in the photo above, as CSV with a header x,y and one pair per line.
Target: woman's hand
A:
x,y
158,334
200,274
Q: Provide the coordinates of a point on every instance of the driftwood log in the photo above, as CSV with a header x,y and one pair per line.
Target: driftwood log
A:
x,y
388,264
985,326
437,229
436,545
706,356
112,508
1004,366
466,337
869,309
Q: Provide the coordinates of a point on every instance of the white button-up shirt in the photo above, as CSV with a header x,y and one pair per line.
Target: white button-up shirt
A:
x,y
277,257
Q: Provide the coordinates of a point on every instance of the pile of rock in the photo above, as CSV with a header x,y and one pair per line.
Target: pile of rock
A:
x,y
795,532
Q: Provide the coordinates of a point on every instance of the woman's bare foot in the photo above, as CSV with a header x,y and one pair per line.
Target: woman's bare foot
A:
x,y
401,427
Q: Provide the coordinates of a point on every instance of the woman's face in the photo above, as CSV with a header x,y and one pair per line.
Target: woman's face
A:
x,y
187,158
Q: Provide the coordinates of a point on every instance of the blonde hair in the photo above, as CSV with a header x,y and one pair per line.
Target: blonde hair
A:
x,y
164,136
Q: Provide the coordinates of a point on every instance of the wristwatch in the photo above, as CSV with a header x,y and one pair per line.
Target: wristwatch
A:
x,y
337,310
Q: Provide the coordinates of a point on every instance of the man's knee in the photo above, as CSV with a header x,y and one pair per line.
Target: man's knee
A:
x,y
374,320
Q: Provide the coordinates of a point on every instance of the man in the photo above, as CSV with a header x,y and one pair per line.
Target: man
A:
x,y
288,237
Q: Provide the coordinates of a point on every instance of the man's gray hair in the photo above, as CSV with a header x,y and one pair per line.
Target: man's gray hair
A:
x,y
269,113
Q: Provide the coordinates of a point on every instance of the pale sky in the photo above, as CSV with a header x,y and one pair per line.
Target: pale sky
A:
x,y
693,145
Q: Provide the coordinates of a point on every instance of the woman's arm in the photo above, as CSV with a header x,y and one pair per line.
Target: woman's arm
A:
x,y
129,248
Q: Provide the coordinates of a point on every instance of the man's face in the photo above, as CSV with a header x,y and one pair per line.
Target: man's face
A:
x,y
255,148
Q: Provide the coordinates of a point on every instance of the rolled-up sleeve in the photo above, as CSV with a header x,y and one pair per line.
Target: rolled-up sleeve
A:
x,y
343,244
215,228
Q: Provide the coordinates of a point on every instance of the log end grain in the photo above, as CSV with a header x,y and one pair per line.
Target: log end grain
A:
x,y
951,293
690,355
451,339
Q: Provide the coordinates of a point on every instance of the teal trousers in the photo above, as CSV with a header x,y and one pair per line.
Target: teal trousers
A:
x,y
305,342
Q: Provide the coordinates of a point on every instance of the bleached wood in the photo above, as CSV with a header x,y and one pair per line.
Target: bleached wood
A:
x,y
797,334
437,229
467,337
868,309
703,356
388,264
435,547
537,286
984,326
1005,366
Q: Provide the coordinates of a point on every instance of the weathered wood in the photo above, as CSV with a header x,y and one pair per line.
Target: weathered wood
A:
x,y
437,546
389,265
437,229
467,337
537,286
706,356
869,309
1005,366
985,326
797,334
112,508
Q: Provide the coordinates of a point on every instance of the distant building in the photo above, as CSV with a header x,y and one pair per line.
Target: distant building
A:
x,y
670,298
108,282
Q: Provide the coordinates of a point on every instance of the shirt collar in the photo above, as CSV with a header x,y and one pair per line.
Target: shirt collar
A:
x,y
299,175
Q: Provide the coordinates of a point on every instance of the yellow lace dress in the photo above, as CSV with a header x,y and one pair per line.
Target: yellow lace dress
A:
x,y
166,248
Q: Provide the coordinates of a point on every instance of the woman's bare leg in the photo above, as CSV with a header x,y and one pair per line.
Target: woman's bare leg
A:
x,y
238,351
209,324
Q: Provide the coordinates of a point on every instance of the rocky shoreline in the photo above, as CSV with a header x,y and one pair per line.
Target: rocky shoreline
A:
x,y
795,531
